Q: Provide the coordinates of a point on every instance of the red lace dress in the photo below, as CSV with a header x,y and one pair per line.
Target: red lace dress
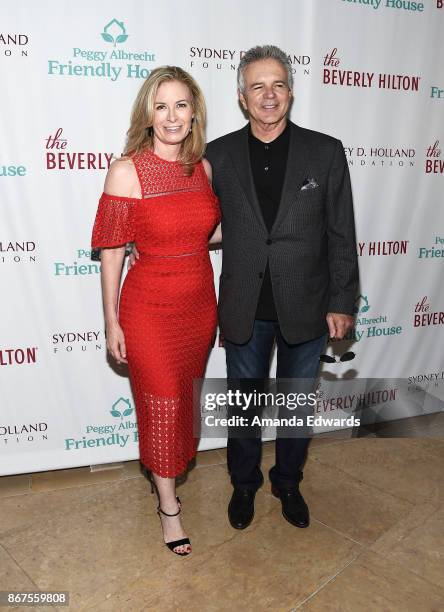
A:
x,y
167,306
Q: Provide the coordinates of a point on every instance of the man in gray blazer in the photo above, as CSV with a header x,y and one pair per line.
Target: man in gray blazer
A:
x,y
289,271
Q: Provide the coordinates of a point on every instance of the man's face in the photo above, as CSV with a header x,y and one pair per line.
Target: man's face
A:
x,y
266,96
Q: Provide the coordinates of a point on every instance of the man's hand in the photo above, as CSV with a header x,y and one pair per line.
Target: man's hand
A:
x,y
132,257
339,324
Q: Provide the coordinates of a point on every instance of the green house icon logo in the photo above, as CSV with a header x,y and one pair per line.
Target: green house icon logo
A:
x,y
121,408
361,304
114,32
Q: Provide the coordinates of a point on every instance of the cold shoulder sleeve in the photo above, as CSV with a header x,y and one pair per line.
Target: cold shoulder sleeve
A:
x,y
114,223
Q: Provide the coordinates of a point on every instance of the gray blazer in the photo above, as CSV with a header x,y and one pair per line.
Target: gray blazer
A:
x,y
311,248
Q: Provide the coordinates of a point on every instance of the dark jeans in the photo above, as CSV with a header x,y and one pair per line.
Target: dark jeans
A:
x,y
252,361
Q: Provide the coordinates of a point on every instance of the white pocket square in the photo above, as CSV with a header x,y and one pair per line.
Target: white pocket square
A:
x,y
309,183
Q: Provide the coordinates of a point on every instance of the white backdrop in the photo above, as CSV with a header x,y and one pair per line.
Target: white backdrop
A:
x,y
369,73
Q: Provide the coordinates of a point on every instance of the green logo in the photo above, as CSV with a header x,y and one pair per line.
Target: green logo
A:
x,y
361,304
114,32
125,408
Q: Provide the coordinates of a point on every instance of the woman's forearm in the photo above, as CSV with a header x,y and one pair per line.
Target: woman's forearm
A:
x,y
111,271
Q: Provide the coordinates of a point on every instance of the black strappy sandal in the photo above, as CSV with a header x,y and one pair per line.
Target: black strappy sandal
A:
x,y
175,543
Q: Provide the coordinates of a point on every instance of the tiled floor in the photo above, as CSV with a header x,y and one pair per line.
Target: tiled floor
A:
x,y
376,540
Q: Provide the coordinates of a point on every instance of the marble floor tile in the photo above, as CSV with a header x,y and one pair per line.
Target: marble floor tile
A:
x,y
349,505
115,537
410,469
205,496
102,540
12,577
373,583
268,567
417,543
21,511
94,545
375,541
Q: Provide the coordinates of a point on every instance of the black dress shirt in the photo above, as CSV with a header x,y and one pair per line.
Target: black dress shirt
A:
x,y
268,164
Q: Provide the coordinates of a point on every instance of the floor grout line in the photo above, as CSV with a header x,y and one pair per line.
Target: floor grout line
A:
x,y
405,567
11,556
344,535
322,586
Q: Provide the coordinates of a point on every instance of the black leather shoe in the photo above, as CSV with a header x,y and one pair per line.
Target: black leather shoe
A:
x,y
294,508
241,508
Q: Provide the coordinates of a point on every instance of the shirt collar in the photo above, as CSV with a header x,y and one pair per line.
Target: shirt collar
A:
x,y
283,136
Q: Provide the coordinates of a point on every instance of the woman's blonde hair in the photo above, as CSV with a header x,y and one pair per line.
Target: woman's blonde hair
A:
x,y
140,135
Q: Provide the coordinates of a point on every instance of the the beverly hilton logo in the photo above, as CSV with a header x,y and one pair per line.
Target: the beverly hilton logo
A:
x,y
18,356
352,396
424,317
433,164
383,247
336,76
58,157
112,64
121,432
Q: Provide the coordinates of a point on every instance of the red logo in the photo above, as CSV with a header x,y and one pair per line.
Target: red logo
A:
x,y
383,247
333,75
423,317
18,356
433,164
58,158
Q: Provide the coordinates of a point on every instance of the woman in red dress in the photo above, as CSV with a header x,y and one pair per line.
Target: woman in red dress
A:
x,y
159,196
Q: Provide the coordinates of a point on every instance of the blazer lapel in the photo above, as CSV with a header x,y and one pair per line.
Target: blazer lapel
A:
x,y
241,160
295,173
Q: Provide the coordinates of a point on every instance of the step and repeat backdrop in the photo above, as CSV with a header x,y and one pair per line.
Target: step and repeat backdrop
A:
x,y
367,72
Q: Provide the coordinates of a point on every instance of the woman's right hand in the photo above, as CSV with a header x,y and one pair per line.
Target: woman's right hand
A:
x,y
115,342
132,257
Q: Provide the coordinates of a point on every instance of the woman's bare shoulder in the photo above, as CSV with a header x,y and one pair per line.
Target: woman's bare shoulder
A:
x,y
121,179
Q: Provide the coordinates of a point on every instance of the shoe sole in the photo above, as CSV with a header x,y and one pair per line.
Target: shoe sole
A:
x,y
288,519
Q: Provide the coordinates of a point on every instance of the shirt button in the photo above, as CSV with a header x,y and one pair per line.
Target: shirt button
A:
x,y
268,241
261,275
266,168
266,147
